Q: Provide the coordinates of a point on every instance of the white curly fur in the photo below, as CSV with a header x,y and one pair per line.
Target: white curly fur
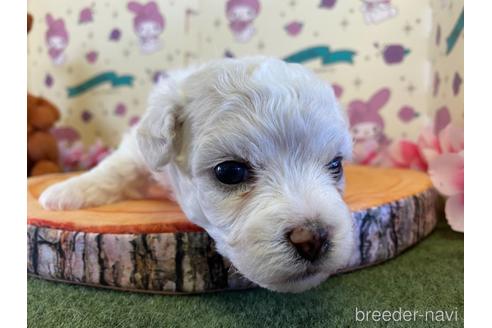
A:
x,y
281,119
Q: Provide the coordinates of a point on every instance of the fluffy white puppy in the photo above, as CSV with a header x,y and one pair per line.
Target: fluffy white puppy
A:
x,y
251,149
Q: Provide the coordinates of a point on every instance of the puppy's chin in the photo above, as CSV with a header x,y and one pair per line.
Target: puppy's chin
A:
x,y
288,280
298,283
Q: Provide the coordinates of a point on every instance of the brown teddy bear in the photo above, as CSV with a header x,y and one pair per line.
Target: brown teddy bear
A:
x,y
42,148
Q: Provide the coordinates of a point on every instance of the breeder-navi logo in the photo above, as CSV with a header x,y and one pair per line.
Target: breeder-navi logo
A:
x,y
405,315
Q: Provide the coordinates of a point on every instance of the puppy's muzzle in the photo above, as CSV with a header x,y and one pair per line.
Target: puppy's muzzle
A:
x,y
311,241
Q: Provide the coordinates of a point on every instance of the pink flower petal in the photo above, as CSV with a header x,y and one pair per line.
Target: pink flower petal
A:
x,y
428,144
452,139
406,154
446,172
428,154
454,209
409,150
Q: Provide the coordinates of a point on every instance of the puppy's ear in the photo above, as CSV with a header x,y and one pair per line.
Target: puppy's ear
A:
x,y
158,128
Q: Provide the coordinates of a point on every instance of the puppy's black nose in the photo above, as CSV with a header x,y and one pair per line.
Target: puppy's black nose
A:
x,y
310,241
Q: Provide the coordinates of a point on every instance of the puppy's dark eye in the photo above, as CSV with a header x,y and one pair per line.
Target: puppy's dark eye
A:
x,y
231,172
335,166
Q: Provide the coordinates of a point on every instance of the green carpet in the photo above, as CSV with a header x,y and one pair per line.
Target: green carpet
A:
x,y
428,277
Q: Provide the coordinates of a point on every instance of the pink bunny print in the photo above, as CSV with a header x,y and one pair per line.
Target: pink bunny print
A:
x,y
241,14
367,127
56,39
376,11
148,24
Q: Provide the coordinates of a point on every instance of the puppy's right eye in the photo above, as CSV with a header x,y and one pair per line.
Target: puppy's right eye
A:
x,y
231,172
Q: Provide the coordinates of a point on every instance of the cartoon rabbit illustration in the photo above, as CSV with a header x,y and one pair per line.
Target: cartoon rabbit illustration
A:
x,y
148,24
241,14
376,11
56,39
367,127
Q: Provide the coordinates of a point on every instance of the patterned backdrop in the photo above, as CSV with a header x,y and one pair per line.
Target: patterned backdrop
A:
x,y
395,65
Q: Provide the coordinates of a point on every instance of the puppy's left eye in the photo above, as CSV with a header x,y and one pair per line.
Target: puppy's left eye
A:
x,y
335,166
231,172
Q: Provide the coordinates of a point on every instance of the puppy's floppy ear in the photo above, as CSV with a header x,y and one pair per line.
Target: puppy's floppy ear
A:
x,y
157,130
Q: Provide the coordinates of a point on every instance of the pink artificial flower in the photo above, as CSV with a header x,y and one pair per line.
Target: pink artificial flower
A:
x,y
442,156
452,139
428,143
95,154
449,140
447,174
404,154
447,171
70,154
74,157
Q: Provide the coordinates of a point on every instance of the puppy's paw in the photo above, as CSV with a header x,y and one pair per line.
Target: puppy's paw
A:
x,y
71,195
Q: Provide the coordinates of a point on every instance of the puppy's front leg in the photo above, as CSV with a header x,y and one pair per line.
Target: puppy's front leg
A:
x,y
121,175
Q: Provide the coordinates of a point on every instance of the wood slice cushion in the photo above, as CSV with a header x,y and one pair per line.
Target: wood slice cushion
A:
x,y
150,246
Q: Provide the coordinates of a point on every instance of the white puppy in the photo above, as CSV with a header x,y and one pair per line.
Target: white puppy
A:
x,y
251,149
